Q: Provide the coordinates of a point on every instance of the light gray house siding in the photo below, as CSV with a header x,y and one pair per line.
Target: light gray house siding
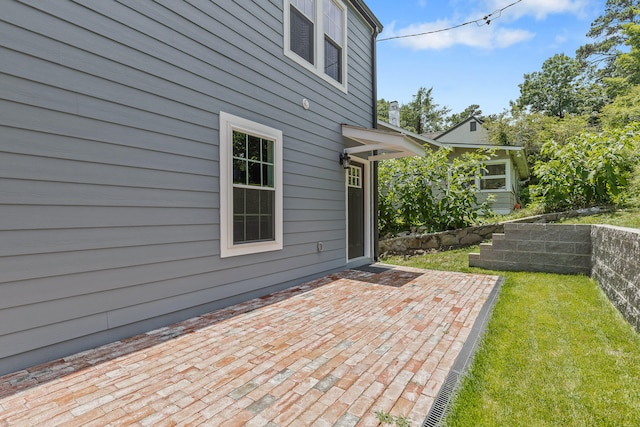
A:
x,y
109,168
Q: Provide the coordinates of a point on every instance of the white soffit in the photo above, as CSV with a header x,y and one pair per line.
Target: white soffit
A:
x,y
390,145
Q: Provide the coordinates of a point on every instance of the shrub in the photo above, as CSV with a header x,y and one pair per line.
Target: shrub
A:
x,y
590,169
431,191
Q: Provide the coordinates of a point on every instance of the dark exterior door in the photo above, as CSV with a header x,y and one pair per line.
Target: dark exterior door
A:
x,y
356,211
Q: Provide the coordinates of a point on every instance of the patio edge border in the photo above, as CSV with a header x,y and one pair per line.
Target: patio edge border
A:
x,y
441,405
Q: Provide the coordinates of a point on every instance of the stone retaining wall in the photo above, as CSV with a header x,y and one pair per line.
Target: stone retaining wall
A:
x,y
616,267
415,244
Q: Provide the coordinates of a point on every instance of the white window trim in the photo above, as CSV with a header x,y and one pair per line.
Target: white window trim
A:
x,y
229,123
506,176
318,66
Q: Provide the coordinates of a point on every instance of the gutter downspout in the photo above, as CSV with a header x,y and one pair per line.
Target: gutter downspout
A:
x,y
374,76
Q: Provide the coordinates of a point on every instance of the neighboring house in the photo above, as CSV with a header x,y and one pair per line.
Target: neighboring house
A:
x,y
161,159
504,171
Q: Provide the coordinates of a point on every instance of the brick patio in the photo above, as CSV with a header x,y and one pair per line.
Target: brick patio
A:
x,y
327,353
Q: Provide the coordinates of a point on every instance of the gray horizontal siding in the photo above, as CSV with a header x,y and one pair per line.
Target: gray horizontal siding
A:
x,y
20,141
26,217
109,188
501,200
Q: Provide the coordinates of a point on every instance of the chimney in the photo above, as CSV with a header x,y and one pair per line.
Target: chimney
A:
x,y
394,114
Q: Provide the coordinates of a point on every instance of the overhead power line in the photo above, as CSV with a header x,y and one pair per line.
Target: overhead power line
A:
x,y
485,20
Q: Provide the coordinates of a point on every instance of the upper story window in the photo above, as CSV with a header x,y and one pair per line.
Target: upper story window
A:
x,y
472,126
250,187
315,37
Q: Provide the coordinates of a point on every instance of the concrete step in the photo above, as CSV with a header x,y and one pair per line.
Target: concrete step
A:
x,y
474,259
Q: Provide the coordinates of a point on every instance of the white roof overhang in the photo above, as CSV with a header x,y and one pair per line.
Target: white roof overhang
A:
x,y
389,145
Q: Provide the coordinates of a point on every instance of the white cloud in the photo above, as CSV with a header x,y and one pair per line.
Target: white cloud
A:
x,y
539,9
492,36
473,35
505,37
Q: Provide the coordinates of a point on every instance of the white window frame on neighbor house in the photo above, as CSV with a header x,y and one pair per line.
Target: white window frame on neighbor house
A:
x,y
325,28
506,176
228,125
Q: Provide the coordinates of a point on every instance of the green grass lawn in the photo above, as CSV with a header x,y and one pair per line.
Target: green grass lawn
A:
x,y
622,218
555,353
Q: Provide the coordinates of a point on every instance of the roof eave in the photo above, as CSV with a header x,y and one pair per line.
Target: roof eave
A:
x,y
368,15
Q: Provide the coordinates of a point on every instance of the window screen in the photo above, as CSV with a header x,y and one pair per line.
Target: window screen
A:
x,y
301,37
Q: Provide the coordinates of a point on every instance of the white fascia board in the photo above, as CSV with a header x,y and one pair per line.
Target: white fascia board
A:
x,y
487,146
373,139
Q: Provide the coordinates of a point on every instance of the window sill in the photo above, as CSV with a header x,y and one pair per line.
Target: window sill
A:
x,y
250,248
310,67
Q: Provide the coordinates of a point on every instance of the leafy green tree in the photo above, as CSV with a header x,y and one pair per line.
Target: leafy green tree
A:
x,y
532,130
591,169
607,30
431,191
625,109
471,110
560,89
627,65
422,114
383,110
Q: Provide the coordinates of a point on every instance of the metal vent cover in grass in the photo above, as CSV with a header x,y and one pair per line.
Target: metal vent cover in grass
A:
x,y
439,410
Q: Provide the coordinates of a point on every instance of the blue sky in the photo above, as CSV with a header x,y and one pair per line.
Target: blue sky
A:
x,y
474,64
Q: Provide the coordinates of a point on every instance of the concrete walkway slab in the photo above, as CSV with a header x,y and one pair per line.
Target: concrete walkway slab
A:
x,y
330,352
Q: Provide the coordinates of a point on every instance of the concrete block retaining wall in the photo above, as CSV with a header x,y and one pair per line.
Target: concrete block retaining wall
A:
x,y
611,255
553,248
616,267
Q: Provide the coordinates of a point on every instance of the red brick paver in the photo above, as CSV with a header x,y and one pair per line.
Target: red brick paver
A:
x,y
328,353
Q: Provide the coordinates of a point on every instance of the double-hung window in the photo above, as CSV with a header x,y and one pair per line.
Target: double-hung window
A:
x,y
250,187
315,37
